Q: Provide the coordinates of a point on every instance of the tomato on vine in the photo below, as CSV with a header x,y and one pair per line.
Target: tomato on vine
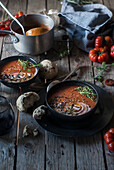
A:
x,y
7,26
98,54
20,13
104,42
109,139
99,42
17,15
107,42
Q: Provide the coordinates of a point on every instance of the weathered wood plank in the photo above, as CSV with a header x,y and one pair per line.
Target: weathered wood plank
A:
x,y
7,147
59,150
109,159
109,156
31,150
110,5
35,6
53,5
2,12
56,156
7,153
89,154
60,153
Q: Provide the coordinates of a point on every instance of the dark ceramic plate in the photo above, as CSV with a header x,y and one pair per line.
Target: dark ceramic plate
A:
x,y
19,84
100,119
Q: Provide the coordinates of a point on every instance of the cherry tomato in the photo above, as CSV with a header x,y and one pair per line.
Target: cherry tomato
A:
x,y
2,33
7,26
109,139
99,42
20,13
111,146
104,42
1,22
108,42
17,15
108,135
112,52
93,54
111,131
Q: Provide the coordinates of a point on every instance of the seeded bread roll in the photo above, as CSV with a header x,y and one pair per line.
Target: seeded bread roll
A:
x,y
26,101
48,69
39,112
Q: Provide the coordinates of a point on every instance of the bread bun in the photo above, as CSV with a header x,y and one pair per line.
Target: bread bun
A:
x,y
48,69
26,101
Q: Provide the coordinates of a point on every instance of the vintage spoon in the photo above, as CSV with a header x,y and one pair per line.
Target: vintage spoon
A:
x,y
36,31
12,17
57,81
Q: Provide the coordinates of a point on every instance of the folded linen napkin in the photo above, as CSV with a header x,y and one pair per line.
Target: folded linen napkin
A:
x,y
83,22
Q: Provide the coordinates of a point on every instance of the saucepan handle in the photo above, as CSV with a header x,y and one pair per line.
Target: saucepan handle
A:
x,y
14,38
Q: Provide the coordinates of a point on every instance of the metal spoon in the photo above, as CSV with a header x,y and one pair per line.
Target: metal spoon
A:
x,y
57,81
12,17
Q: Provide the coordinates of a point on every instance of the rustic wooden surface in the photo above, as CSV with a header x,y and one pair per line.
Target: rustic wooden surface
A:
x,y
87,153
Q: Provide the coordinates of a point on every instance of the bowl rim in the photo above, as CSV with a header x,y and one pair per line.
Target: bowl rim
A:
x,y
13,58
58,85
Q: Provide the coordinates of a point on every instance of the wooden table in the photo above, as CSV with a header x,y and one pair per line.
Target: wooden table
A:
x,y
64,153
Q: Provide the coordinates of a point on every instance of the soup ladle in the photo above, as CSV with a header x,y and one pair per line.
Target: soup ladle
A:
x,y
12,17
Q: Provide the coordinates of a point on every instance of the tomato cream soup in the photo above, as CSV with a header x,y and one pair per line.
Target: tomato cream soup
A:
x,y
72,100
17,71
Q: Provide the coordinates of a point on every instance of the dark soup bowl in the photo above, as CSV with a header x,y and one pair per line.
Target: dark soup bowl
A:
x,y
71,101
17,71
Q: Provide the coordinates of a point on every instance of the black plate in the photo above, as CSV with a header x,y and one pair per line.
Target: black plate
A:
x,y
13,58
101,118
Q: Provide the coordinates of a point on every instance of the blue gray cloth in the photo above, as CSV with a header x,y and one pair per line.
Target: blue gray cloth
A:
x,y
83,22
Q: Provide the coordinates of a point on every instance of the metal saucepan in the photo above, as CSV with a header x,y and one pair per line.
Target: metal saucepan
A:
x,y
32,45
19,84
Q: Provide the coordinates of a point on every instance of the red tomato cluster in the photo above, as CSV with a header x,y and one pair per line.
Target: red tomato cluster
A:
x,y
5,25
20,13
109,139
103,50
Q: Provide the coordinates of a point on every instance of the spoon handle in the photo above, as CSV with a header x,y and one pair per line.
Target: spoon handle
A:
x,y
13,17
75,69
